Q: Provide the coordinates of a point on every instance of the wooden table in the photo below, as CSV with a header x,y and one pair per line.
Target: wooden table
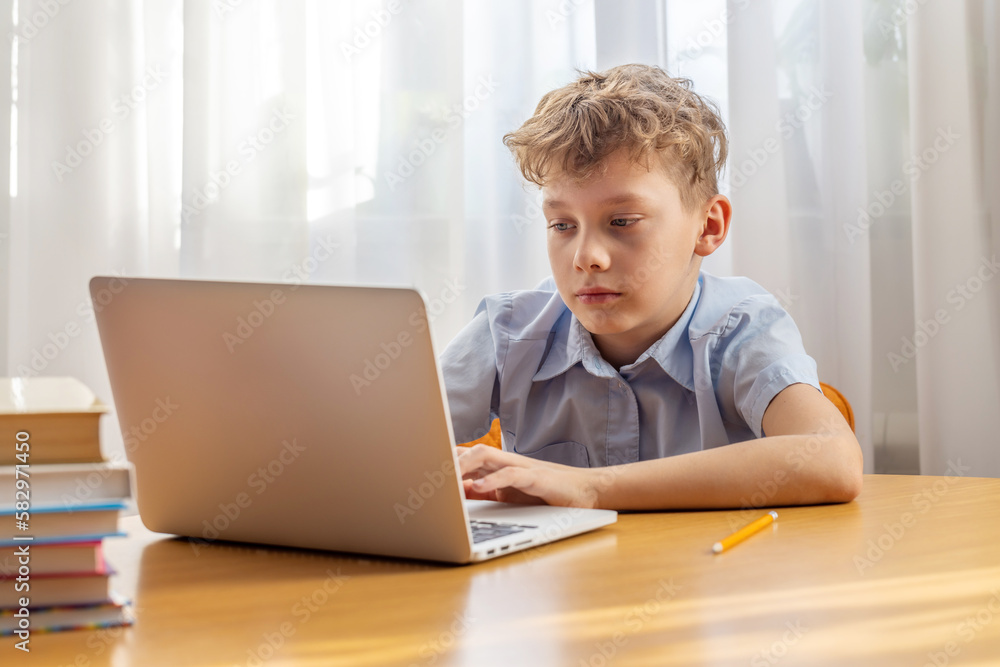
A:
x,y
908,574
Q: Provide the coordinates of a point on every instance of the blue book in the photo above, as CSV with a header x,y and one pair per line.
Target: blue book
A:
x,y
86,522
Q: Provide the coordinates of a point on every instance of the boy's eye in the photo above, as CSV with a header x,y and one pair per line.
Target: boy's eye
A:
x,y
560,226
623,222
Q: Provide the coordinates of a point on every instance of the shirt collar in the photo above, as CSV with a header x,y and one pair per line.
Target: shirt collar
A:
x,y
673,350
573,344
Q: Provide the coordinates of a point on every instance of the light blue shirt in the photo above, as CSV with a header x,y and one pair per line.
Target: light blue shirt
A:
x,y
526,359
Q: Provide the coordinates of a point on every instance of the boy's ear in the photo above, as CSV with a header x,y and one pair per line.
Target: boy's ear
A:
x,y
717,213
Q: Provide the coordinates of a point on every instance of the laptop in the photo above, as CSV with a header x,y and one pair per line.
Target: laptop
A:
x,y
297,415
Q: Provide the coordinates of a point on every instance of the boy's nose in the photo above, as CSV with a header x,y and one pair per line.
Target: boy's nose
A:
x,y
591,255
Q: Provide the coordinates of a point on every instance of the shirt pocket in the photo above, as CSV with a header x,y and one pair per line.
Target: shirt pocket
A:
x,y
568,452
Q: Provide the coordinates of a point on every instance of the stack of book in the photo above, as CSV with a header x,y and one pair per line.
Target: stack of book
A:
x,y
59,499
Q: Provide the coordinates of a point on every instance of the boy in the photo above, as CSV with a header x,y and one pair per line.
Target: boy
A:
x,y
630,379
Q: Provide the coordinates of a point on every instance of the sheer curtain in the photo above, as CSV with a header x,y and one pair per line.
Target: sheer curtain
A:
x,y
359,142
954,95
94,95
863,175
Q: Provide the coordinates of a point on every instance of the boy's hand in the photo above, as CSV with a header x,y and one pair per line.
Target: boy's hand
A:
x,y
491,474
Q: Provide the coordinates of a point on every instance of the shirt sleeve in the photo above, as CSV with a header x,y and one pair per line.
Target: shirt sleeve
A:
x,y
469,367
761,353
548,284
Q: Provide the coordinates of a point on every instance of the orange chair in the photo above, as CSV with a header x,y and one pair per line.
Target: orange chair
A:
x,y
838,399
493,437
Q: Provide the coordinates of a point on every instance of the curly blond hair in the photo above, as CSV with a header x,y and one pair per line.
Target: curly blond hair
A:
x,y
638,108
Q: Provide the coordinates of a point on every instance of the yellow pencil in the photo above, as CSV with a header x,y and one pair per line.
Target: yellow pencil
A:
x,y
745,532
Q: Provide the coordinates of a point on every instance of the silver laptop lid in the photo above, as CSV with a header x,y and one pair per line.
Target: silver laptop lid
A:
x,y
298,415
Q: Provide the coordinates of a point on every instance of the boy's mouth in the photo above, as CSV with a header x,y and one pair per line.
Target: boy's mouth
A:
x,y
596,295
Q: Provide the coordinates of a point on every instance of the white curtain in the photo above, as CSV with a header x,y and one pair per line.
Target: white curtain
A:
x,y
954,94
358,141
797,176
95,98
864,143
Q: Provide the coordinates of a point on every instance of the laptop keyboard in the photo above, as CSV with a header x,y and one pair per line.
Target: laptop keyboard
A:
x,y
488,530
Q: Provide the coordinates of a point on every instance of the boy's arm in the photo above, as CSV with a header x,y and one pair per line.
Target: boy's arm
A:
x,y
468,366
809,455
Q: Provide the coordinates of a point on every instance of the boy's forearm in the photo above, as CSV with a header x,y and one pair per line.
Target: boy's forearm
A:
x,y
771,471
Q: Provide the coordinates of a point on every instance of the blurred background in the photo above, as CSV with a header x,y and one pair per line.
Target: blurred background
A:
x,y
359,142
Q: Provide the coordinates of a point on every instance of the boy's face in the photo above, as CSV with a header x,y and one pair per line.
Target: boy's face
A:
x,y
623,252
